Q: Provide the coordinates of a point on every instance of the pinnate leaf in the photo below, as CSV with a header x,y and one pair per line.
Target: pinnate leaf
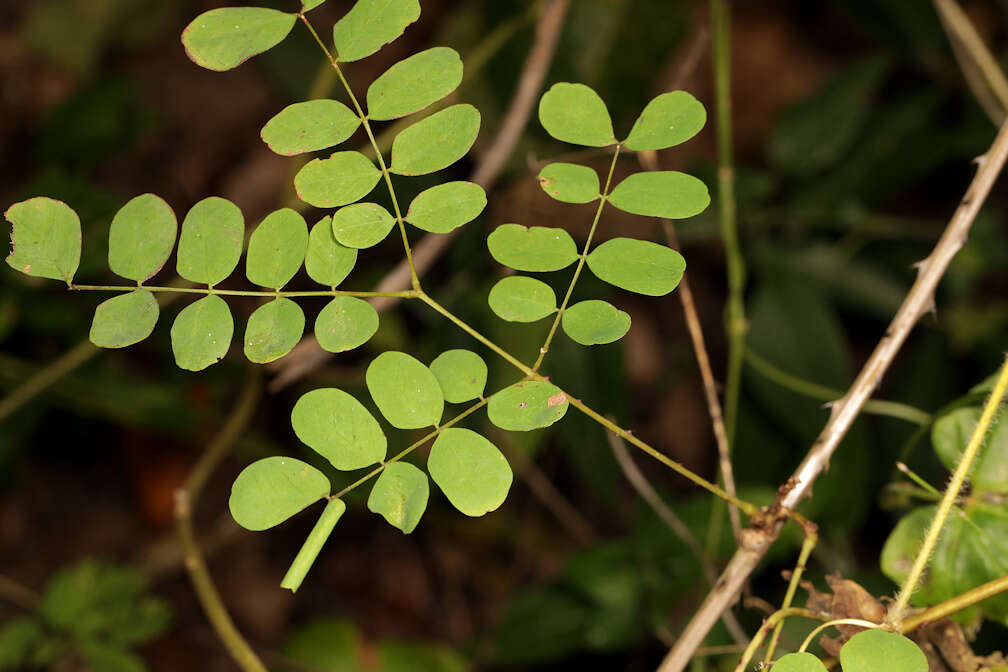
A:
x,y
201,333
668,120
211,241
225,38
343,178
637,265
798,662
370,25
338,427
435,142
124,320
141,237
345,323
877,650
574,113
414,83
668,193
952,431
521,299
309,127
570,183
277,249
462,375
361,225
405,391
528,405
327,261
45,239
271,490
400,495
273,330
538,248
446,207
471,472
595,322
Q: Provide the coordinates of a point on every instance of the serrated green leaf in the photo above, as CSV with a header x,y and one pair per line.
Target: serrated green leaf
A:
x,y
595,322
361,225
307,5
414,83
637,265
345,323
309,127
435,142
327,262
45,239
462,375
273,330
271,490
538,248
210,245
343,178
370,25
225,38
668,193
124,320
338,427
405,391
446,207
570,183
574,113
400,495
668,120
528,405
798,662
277,249
877,650
201,333
471,472
952,431
520,299
141,237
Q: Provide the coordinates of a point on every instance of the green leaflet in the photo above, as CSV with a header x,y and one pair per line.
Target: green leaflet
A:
x,y
345,177
370,25
528,405
225,38
798,662
471,472
446,207
45,239
273,330
307,5
879,650
414,83
574,113
124,320
405,391
327,262
400,495
668,193
532,249
201,333
435,142
570,183
271,490
277,249
210,244
338,427
141,237
309,127
520,299
361,225
668,120
637,265
345,323
595,322
952,431
462,375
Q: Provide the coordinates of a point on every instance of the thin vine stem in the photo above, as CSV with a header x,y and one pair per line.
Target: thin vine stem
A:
x,y
772,621
956,604
809,543
868,625
405,294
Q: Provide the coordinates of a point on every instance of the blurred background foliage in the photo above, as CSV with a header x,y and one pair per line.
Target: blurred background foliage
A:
x,y
855,132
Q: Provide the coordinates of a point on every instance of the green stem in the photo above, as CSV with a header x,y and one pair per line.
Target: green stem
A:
x,y
313,544
868,625
956,604
28,390
774,619
405,294
811,538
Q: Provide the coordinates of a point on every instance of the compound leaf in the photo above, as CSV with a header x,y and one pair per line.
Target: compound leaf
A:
x,y
462,375
141,237
327,261
338,427
277,249
400,495
538,248
414,83
201,333
309,127
521,299
343,178
667,193
798,662
210,244
435,142
370,25
668,120
405,391
471,472
446,207
273,330
574,113
45,239
528,405
570,182
345,323
361,225
595,322
271,490
125,319
637,265
952,431
225,38
874,650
